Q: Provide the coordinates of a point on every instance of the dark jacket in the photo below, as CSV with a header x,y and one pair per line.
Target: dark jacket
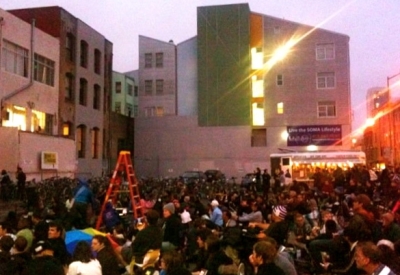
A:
x,y
19,263
108,261
60,250
45,265
148,238
270,269
172,230
215,260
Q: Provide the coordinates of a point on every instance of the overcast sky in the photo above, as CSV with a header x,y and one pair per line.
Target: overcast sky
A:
x,y
373,27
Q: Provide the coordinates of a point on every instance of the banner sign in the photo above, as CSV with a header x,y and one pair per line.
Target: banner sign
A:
x,y
319,135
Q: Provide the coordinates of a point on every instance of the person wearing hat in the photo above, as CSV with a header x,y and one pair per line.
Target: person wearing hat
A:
x,y
172,228
44,262
278,228
216,214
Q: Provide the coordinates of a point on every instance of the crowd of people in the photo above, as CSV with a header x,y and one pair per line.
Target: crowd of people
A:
x,y
344,222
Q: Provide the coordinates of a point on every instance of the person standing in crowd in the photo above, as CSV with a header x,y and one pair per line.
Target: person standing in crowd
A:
x,y
172,228
83,263
368,258
105,255
266,179
82,199
44,262
263,257
5,183
21,181
390,229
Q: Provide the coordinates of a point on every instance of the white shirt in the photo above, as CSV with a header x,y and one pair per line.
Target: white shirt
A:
x,y
91,268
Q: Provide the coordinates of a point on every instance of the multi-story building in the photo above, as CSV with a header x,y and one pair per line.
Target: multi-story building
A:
x,y
264,84
376,98
85,70
29,89
124,95
157,77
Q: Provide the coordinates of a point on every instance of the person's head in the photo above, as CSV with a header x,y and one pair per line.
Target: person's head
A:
x,y
202,235
326,215
99,242
254,206
82,252
331,226
6,243
168,210
171,260
55,230
20,244
226,215
387,219
5,228
263,252
361,201
367,254
299,220
24,222
152,217
214,204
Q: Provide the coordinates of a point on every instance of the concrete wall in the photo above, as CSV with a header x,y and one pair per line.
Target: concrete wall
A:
x,y
187,77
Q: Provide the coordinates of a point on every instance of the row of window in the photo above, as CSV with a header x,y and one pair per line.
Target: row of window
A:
x,y
81,133
325,109
70,50
83,91
128,109
15,59
148,87
159,60
325,80
129,88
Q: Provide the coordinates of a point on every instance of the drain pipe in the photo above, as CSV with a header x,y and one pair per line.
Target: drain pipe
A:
x,y
32,55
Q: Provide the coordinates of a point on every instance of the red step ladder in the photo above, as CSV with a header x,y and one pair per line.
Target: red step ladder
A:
x,y
123,173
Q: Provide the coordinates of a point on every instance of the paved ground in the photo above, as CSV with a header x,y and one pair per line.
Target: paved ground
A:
x,y
5,207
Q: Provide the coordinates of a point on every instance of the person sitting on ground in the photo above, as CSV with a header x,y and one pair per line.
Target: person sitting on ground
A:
x,y
148,238
6,243
172,264
5,230
24,226
44,262
263,257
83,262
56,240
20,258
254,216
105,255
368,258
216,255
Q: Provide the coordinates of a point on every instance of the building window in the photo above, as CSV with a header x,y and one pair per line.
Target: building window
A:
x,y
48,124
159,87
97,61
44,70
15,59
69,87
279,80
159,60
95,143
84,53
149,111
117,107
130,89
118,87
70,47
136,91
258,113
96,96
66,129
80,140
279,108
148,60
326,80
148,87
326,109
325,51
83,86
159,111
258,137
129,110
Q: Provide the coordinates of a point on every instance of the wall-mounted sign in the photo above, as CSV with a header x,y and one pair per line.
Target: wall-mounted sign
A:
x,y
49,160
319,135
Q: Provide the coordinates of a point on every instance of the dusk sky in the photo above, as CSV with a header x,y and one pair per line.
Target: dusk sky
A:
x,y
372,25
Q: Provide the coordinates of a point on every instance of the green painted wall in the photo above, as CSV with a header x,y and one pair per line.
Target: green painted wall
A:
x,y
224,87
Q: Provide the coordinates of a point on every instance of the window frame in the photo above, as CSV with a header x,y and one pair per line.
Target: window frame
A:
x,y
321,51
83,91
326,104
148,87
148,60
96,97
97,61
84,53
159,60
12,56
159,86
81,141
44,70
279,80
325,76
